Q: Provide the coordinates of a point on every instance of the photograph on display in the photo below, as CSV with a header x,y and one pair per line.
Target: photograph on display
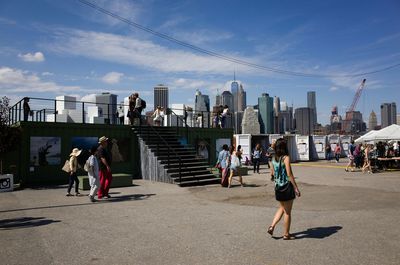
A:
x,y
45,151
202,148
119,149
220,142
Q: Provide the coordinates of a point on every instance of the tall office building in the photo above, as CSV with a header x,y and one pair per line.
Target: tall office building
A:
x,y
355,123
266,113
372,121
304,120
388,114
227,99
161,96
312,104
202,102
277,110
218,100
239,96
107,104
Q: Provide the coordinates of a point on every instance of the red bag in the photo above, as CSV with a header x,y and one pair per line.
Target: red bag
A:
x,y
225,177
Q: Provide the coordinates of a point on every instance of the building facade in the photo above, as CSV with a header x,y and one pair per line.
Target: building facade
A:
x,y
266,113
312,104
388,114
304,120
161,97
372,121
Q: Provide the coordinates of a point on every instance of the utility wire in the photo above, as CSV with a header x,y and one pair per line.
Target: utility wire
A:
x,y
221,56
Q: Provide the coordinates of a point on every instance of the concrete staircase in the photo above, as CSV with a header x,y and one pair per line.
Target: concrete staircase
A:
x,y
173,162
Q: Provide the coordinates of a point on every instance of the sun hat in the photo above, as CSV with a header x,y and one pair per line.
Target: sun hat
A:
x,y
75,152
102,139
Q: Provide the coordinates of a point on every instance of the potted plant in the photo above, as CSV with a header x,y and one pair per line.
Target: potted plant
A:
x,y
9,139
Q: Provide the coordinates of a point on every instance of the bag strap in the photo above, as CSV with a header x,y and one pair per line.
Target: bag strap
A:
x,y
280,167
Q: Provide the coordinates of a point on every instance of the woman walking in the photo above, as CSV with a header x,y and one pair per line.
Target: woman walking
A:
x,y
256,158
222,165
338,151
286,188
367,161
73,165
234,165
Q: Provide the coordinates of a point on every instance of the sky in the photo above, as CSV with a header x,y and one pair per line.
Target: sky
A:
x,y
50,48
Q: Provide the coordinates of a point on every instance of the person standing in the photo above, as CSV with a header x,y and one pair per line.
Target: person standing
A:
x,y
338,151
328,150
357,156
93,173
105,175
138,109
131,111
256,158
73,166
224,116
121,115
234,165
350,155
367,161
27,109
222,165
286,188
157,116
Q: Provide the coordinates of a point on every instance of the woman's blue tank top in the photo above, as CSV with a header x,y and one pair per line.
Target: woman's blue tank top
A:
x,y
280,178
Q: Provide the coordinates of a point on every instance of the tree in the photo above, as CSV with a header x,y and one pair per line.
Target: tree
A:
x,y
9,135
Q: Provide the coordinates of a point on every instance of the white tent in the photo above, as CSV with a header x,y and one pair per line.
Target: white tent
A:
x,y
361,139
391,132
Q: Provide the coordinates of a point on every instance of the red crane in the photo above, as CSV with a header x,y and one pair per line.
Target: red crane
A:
x,y
353,105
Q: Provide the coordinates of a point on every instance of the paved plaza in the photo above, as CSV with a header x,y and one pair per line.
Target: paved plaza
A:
x,y
341,218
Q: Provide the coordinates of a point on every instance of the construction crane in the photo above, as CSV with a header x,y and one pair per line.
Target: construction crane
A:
x,y
352,106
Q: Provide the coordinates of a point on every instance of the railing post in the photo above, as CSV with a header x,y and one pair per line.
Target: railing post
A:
x,y
108,113
202,119
55,110
83,112
19,111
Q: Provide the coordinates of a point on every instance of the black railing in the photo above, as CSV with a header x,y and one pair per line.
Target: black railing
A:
x,y
165,143
197,137
64,110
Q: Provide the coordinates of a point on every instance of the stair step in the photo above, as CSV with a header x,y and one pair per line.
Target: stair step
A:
x,y
187,164
197,182
174,160
188,171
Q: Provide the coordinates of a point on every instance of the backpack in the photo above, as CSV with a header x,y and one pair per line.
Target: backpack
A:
x,y
143,104
86,167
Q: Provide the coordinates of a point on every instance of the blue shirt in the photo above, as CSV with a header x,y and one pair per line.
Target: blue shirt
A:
x,y
222,156
280,178
257,153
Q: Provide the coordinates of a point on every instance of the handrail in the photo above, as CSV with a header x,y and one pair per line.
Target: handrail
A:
x,y
198,137
169,149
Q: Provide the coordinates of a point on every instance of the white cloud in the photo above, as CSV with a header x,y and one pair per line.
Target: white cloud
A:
x,y
47,74
19,81
112,77
333,88
142,53
32,57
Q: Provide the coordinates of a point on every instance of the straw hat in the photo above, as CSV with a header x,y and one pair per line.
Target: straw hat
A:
x,y
102,139
75,152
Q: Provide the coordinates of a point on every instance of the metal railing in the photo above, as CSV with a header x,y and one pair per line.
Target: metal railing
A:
x,y
64,110
165,143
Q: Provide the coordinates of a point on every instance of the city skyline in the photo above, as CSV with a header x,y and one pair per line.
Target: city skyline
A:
x,y
53,48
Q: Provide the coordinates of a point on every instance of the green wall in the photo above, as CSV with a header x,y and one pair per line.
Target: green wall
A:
x,y
18,161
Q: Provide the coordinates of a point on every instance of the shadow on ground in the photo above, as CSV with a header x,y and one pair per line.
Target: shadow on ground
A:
x,y
318,232
25,222
129,197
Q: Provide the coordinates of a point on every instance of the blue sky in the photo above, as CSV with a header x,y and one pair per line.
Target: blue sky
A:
x,y
51,48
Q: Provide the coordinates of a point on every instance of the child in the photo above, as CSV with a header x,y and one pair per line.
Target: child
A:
x,y
93,173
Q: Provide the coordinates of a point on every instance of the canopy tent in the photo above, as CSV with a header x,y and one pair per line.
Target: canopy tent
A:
x,y
391,132
361,139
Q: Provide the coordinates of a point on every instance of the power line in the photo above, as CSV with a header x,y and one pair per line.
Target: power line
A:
x,y
224,57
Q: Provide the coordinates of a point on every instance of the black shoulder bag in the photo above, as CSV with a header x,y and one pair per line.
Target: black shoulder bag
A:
x,y
285,192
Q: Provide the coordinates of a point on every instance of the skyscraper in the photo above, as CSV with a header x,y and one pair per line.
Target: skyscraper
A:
x,y
372,121
277,110
304,119
239,96
312,104
388,114
161,96
202,102
266,113
227,99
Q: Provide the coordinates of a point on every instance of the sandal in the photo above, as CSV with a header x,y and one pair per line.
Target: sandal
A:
x,y
288,237
270,230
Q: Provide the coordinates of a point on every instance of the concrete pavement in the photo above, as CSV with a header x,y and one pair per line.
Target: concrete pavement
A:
x,y
341,218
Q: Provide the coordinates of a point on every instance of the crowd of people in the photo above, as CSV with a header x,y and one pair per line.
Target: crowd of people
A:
x,y
98,167
364,156
220,116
